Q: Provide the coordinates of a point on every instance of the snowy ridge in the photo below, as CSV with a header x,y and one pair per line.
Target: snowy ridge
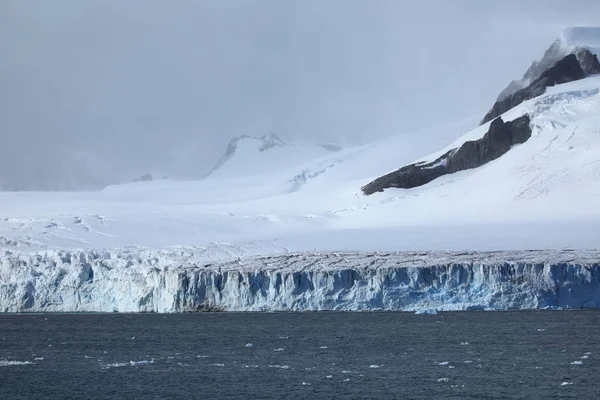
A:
x,y
176,281
247,155
571,40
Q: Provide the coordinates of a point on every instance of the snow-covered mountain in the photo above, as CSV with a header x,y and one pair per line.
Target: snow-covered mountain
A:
x,y
248,155
280,226
572,40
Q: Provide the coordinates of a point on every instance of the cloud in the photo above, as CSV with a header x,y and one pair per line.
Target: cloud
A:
x,y
102,91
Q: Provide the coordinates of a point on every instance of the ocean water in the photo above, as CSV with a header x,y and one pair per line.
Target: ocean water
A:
x,y
328,355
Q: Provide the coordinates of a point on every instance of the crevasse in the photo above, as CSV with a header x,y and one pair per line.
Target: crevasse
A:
x,y
178,281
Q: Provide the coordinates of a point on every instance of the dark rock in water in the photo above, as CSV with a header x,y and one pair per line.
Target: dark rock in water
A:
x,y
565,70
144,178
589,62
500,137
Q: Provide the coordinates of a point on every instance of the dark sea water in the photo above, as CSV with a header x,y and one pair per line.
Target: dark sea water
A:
x,y
479,355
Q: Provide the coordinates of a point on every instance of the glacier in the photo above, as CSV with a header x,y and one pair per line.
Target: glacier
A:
x,y
181,280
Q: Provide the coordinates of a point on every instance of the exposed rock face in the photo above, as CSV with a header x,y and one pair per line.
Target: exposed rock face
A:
x,y
565,70
588,61
500,137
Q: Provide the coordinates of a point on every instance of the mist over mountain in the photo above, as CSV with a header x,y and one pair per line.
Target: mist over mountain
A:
x,y
102,92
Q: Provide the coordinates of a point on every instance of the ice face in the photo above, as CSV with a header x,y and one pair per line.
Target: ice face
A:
x,y
81,281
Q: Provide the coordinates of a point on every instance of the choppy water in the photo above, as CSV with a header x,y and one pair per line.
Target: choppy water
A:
x,y
484,355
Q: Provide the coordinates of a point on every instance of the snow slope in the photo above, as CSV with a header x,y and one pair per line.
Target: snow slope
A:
x,y
541,194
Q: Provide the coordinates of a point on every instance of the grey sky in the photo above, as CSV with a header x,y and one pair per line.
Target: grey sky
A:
x,y
99,91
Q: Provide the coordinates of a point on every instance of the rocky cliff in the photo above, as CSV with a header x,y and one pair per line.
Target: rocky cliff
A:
x,y
500,137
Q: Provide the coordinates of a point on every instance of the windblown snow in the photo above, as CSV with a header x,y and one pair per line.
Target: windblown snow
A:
x,y
571,40
295,231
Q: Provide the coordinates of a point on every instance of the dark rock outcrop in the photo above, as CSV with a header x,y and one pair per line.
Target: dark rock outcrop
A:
x,y
588,61
565,70
500,137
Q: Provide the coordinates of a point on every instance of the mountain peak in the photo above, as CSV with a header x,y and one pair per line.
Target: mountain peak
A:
x,y
573,40
265,153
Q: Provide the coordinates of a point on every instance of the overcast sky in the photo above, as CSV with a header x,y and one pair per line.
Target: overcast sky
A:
x,y
101,91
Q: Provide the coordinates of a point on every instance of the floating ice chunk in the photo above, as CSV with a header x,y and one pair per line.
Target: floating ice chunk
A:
x,y
323,347
588,353
375,366
248,344
464,343
38,358
426,311
443,380
582,357
305,383
346,380
451,366
566,383
541,330
577,363
329,376
444,363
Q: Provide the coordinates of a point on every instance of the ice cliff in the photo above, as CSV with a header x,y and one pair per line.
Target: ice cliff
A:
x,y
179,281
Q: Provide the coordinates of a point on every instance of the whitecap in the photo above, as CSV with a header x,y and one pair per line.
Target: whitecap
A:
x,y
443,380
279,366
141,362
114,365
444,363
375,366
577,363
7,363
